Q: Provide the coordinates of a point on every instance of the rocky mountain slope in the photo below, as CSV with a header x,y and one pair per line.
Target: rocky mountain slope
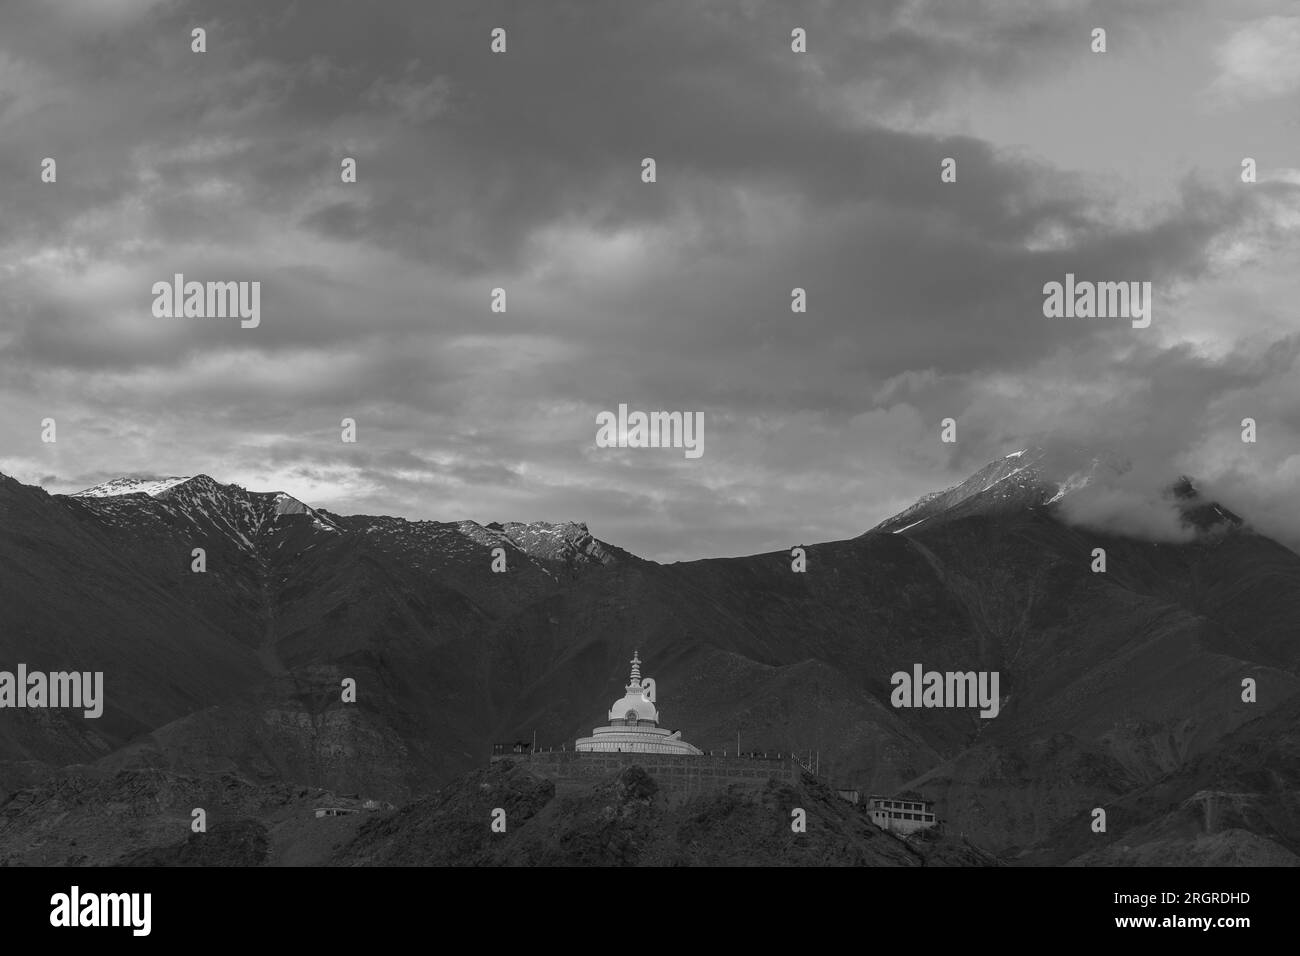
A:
x,y
1120,689
624,821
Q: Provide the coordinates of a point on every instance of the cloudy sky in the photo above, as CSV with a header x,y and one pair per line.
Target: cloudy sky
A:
x,y
522,170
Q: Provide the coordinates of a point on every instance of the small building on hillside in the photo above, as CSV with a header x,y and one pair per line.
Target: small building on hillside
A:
x,y
334,811
901,815
521,747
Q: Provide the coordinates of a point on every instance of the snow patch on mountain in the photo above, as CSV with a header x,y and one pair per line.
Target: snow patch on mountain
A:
x,y
1072,484
256,520
1006,476
250,519
1029,478
286,504
130,486
905,527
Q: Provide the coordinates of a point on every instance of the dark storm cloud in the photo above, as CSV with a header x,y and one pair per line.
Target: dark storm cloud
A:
x,y
775,170
443,128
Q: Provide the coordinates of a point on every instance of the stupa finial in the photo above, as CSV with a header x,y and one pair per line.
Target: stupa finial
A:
x,y
636,668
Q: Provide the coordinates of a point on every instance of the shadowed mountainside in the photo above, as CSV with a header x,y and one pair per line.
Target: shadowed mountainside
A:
x,y
1114,685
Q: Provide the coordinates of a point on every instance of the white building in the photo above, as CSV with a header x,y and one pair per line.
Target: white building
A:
x,y
901,816
634,724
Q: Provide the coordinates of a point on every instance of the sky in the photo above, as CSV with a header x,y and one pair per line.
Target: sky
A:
x,y
775,169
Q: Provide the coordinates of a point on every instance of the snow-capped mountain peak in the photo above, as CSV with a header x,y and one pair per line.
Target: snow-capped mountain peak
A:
x,y
262,521
245,517
130,485
1027,478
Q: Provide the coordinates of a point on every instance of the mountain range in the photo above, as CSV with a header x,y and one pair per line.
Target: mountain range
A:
x,y
1121,689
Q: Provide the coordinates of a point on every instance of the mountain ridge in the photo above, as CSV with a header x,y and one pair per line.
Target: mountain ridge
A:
x,y
1036,476
1111,681
1049,477
199,493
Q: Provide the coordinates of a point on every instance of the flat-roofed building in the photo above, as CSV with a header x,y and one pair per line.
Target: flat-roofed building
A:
x,y
901,815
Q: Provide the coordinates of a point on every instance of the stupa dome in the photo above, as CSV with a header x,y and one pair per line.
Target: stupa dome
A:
x,y
634,706
634,724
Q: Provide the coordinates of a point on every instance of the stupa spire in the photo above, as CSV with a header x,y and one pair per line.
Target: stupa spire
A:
x,y
634,724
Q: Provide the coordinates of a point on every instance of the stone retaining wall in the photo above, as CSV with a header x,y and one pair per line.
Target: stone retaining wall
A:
x,y
681,774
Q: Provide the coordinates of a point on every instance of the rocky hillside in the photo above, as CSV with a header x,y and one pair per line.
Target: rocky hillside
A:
x,y
625,821
1120,689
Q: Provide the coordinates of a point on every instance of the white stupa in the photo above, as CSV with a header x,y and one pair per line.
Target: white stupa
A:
x,y
634,724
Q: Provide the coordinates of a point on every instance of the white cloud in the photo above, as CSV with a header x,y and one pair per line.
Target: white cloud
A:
x,y
1261,59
